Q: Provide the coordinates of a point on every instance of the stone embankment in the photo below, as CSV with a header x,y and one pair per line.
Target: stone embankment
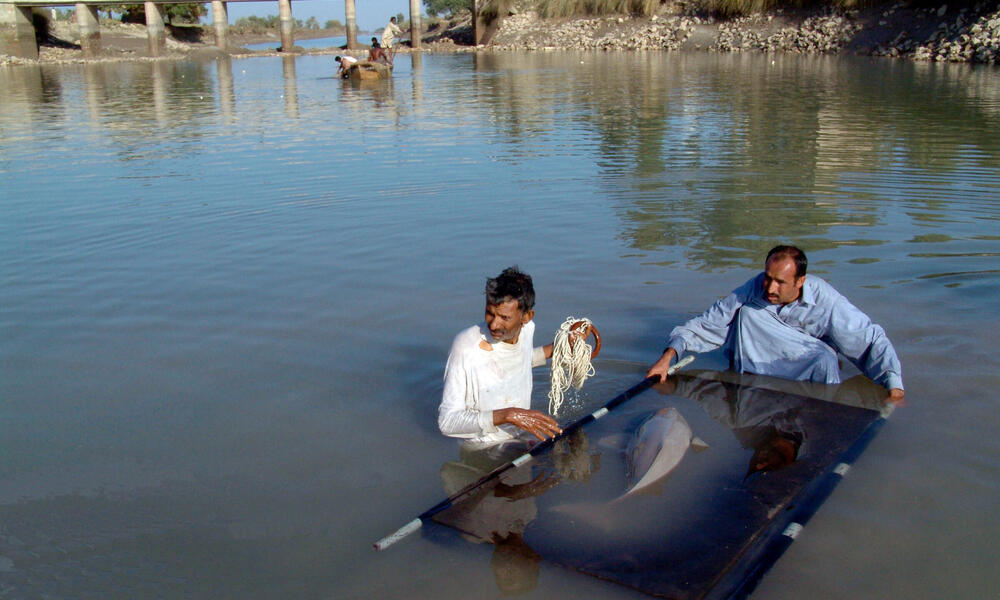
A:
x,y
939,34
966,37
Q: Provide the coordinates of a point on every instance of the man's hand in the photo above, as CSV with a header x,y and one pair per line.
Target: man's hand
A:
x,y
661,366
536,423
896,396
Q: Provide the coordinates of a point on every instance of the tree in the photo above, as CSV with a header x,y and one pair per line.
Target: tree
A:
x,y
446,8
136,13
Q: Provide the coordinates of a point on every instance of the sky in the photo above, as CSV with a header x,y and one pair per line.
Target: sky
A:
x,y
371,14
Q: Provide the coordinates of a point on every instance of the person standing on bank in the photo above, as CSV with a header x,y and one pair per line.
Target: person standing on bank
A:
x,y
785,324
487,381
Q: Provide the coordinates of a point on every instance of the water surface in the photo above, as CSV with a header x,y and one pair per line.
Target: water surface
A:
x,y
229,289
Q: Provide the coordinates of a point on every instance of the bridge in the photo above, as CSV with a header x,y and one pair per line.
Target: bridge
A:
x,y
17,26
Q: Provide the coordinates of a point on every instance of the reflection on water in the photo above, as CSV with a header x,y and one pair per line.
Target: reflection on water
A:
x,y
229,286
291,89
767,444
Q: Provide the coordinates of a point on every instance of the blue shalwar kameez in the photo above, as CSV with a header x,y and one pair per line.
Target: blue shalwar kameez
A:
x,y
798,340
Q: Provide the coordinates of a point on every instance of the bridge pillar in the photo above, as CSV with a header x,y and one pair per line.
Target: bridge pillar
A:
x,y
350,15
156,31
17,32
89,29
220,19
415,24
286,24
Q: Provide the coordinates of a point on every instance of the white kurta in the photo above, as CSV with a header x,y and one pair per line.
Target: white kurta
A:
x,y
478,382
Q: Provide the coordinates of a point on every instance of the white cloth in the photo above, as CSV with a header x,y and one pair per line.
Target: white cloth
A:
x,y
478,381
348,61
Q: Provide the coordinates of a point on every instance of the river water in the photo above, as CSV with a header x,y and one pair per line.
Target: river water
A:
x,y
229,289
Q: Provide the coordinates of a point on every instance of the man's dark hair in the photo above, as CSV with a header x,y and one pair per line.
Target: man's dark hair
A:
x,y
797,255
512,284
392,19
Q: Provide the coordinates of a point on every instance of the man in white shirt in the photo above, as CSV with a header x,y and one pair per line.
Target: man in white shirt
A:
x,y
391,31
345,63
487,382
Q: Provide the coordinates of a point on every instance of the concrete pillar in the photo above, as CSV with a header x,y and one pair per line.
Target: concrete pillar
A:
x,y
286,24
156,31
17,32
415,24
89,30
220,19
477,26
351,16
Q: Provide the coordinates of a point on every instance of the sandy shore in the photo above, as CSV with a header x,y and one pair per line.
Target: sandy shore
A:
x,y
898,30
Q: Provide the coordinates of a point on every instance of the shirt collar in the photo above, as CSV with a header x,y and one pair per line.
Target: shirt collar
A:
x,y
806,296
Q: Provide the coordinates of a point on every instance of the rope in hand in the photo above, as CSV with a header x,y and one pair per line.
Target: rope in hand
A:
x,y
570,360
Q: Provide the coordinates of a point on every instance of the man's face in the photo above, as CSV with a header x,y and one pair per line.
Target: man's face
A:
x,y
781,286
505,320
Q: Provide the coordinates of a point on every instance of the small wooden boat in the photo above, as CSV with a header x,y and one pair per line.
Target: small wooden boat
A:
x,y
366,70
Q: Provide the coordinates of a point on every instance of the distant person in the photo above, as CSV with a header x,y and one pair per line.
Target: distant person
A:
x,y
346,62
375,53
390,32
785,324
487,381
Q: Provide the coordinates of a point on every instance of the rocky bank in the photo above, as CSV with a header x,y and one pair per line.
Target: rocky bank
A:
x,y
896,30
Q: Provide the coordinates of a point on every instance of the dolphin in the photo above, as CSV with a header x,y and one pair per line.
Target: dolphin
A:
x,y
653,452
659,444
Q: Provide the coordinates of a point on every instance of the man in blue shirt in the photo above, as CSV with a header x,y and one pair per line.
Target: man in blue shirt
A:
x,y
784,324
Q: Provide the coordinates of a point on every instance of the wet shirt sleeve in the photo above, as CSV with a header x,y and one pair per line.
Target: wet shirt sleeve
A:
x,y
853,334
710,330
457,416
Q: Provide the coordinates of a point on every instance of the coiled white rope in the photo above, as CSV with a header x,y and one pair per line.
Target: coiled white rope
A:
x,y
570,362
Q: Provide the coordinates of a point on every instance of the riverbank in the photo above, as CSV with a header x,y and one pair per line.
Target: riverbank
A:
x,y
897,30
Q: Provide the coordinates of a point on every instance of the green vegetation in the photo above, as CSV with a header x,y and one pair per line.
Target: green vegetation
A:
x,y
173,13
254,24
735,8
446,8
568,8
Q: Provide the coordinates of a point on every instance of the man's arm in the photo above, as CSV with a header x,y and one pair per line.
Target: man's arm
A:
x,y
705,332
455,419
662,366
866,344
